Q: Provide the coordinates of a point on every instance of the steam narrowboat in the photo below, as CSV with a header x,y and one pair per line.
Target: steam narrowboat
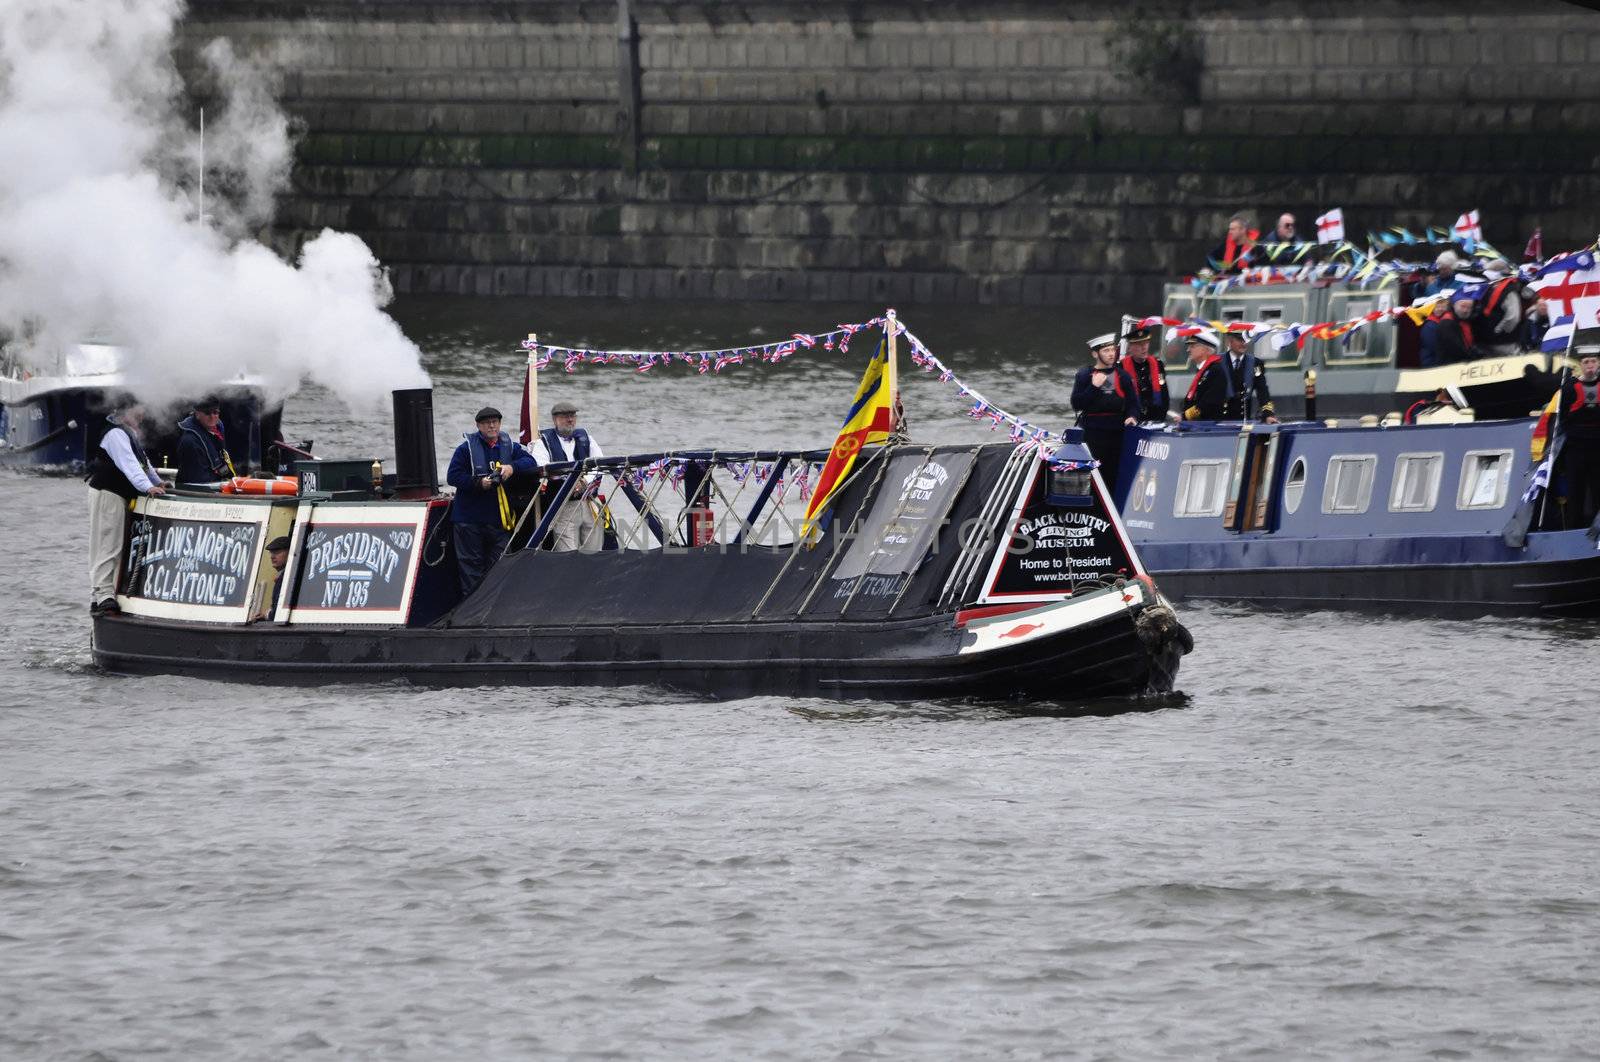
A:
x,y
988,570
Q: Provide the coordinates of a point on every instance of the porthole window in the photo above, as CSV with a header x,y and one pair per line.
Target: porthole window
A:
x,y
1294,488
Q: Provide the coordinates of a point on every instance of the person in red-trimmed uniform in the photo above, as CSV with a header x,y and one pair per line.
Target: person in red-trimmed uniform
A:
x,y
1208,391
1148,373
1580,426
1107,402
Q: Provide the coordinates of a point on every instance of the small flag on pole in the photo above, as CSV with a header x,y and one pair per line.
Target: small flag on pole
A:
x,y
1535,249
1330,226
1467,229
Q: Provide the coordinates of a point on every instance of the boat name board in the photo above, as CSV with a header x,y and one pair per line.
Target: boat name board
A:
x,y
183,561
349,566
1156,451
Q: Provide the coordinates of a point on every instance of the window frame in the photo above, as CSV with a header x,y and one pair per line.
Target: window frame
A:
x,y
1292,506
1217,503
1435,458
1368,462
1502,488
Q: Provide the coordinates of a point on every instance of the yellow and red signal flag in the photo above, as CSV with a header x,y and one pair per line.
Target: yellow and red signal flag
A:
x,y
870,422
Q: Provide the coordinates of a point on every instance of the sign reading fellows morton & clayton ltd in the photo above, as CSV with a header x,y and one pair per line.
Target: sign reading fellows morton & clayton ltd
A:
x,y
191,559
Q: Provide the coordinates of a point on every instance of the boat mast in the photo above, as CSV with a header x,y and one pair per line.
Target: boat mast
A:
x,y
201,212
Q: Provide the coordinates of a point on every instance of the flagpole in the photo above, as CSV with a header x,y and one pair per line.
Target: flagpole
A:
x,y
891,328
530,393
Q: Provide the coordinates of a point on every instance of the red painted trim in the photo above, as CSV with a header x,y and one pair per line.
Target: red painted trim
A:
x,y
967,615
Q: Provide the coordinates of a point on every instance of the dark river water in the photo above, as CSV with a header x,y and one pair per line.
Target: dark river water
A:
x,y
1358,838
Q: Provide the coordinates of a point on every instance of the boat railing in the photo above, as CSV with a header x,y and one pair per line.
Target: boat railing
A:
x,y
748,500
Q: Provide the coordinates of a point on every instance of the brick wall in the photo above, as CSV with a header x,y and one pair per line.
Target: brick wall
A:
x,y
911,150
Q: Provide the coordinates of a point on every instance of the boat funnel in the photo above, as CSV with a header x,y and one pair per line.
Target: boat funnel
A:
x,y
416,466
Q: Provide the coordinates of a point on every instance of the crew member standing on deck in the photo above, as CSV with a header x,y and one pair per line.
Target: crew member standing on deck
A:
x,y
480,513
1149,375
119,473
1248,396
1208,391
202,457
1107,402
574,526
1580,454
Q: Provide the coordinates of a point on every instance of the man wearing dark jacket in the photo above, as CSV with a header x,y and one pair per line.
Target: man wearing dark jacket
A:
x,y
1107,402
1580,452
119,473
1208,391
202,458
1248,397
1149,375
480,513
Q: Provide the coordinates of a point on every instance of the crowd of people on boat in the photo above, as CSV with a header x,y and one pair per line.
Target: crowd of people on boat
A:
x,y
1490,312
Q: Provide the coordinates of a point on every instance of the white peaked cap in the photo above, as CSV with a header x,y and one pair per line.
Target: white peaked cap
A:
x,y
1206,336
1102,341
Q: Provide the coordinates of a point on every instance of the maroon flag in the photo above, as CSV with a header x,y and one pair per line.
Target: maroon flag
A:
x,y
1535,249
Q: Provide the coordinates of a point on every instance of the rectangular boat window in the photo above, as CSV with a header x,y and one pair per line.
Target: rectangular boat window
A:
x,y
1269,313
1485,476
1349,486
1201,486
1416,483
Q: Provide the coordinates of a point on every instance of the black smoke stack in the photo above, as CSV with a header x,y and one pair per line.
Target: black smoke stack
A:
x,y
416,467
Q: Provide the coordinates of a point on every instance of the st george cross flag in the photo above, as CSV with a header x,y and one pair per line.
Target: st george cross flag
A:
x,y
1330,226
1571,285
1467,227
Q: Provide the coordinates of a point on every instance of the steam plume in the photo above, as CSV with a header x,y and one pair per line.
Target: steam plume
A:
x,y
98,218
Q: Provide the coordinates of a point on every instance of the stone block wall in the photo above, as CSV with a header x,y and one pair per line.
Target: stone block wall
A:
x,y
1020,152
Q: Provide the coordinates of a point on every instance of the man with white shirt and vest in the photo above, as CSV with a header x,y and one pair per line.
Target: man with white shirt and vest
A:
x,y
1580,426
1248,397
119,473
575,526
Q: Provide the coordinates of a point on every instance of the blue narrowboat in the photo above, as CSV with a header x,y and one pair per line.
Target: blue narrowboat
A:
x,y
1405,517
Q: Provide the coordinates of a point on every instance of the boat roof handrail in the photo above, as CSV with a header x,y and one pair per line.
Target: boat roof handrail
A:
x,y
621,461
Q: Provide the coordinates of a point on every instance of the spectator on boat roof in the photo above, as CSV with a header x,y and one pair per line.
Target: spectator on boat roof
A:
x,y
1236,250
1454,338
1580,453
1284,232
1500,311
1248,397
1149,375
1107,401
202,456
576,525
481,513
1445,267
1208,391
118,473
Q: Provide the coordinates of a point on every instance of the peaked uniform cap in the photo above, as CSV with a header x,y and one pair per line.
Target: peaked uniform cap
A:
x,y
1102,341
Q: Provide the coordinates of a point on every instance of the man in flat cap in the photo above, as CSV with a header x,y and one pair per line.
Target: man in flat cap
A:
x,y
481,513
1107,402
575,525
1148,373
202,456
278,556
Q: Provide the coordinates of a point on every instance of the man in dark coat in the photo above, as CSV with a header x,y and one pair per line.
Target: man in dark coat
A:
x,y
1149,375
1107,402
481,515
1248,396
202,458
1580,431
1453,338
1208,391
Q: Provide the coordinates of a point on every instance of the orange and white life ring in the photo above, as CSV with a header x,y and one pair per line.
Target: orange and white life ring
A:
x,y
252,485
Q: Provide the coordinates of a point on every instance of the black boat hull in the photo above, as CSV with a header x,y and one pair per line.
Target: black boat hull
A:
x,y
1104,656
